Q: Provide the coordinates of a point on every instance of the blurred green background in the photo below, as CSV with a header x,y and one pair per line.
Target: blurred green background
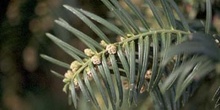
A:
x,y
25,79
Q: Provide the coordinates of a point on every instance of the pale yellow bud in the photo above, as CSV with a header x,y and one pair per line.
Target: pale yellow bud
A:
x,y
89,73
103,43
76,84
122,38
111,49
69,74
89,52
75,65
96,59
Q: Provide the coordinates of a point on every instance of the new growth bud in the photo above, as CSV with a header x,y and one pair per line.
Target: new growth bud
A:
x,y
111,49
96,59
103,43
89,52
75,65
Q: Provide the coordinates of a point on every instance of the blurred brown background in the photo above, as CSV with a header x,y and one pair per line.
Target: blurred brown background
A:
x,y
25,78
